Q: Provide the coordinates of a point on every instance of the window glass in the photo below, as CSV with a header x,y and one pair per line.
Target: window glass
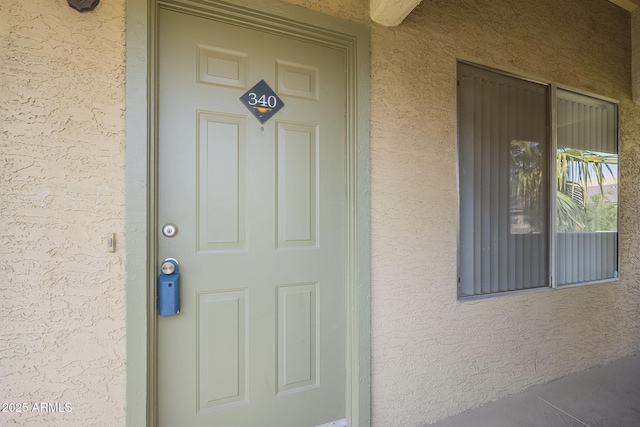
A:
x,y
511,226
503,172
587,189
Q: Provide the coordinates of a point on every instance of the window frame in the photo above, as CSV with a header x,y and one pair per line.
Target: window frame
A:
x,y
554,87
552,229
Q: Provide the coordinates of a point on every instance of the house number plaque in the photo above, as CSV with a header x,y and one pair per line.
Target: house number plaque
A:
x,y
262,101
83,5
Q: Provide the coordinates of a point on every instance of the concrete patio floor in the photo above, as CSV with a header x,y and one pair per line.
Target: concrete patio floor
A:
x,y
605,396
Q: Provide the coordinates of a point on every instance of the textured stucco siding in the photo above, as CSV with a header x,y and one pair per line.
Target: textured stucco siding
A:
x,y
62,327
635,53
431,355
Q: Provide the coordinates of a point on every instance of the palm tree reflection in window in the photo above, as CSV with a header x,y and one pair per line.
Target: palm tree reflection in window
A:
x,y
527,184
587,190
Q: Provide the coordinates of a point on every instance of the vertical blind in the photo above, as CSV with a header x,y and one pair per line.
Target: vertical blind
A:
x,y
587,137
503,182
504,160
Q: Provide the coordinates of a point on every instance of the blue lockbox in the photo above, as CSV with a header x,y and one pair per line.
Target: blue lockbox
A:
x,y
169,288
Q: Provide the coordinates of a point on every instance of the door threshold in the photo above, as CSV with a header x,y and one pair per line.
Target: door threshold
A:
x,y
338,423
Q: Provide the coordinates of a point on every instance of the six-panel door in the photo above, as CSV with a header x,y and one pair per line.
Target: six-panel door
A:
x,y
260,214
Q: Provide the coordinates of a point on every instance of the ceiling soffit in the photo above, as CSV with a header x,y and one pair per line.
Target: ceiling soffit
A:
x,y
391,13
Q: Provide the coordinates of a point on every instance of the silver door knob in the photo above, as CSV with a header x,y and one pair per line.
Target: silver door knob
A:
x,y
169,230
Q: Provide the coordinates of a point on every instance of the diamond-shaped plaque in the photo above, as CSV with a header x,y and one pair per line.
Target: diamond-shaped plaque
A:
x,y
262,101
83,5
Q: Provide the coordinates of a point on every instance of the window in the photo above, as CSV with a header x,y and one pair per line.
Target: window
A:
x,y
538,185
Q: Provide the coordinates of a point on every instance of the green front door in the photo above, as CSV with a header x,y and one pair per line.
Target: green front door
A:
x,y
260,211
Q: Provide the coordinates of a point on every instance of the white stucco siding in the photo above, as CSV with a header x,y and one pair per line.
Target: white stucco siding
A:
x,y
62,328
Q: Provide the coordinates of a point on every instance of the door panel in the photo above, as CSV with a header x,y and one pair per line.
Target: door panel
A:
x,y
297,192
221,175
297,356
221,323
261,217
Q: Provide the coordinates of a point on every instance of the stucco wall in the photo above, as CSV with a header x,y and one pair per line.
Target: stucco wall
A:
x,y
62,127
431,355
635,54
62,321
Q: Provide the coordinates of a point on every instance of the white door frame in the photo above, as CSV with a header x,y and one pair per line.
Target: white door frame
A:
x,y
141,175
